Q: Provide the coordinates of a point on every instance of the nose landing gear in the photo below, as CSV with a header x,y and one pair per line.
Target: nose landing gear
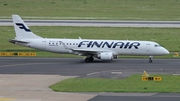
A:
x,y
150,59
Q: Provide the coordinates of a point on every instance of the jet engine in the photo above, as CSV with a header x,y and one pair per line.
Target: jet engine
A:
x,y
105,56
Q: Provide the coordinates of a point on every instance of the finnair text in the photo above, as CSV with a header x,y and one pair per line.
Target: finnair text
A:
x,y
106,44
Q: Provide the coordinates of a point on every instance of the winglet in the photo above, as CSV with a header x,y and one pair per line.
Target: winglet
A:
x,y
80,38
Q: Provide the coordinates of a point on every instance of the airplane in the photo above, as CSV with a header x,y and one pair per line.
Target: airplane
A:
x,y
105,50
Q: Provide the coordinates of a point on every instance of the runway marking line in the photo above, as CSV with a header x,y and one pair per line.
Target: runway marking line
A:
x,y
176,74
24,64
6,99
92,73
115,71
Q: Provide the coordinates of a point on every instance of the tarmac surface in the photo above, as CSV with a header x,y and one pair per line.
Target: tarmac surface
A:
x,y
77,66
27,79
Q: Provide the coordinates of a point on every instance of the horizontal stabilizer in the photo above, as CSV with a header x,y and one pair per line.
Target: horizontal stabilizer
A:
x,y
17,41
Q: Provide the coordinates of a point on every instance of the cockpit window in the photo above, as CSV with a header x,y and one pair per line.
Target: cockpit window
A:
x,y
156,45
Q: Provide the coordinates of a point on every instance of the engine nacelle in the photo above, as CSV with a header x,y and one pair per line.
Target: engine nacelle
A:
x,y
105,56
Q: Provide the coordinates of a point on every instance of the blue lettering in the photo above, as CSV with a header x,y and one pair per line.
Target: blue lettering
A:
x,y
127,44
107,44
90,43
81,43
135,44
121,44
96,44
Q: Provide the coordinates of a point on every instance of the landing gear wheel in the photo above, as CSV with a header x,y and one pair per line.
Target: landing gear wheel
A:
x,y
89,59
86,60
150,60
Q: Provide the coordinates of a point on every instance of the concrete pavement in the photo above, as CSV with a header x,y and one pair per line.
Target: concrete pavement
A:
x,y
21,87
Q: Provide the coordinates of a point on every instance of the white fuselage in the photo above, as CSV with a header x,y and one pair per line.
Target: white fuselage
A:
x,y
117,47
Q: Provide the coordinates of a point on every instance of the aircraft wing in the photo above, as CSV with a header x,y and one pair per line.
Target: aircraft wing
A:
x,y
89,51
86,50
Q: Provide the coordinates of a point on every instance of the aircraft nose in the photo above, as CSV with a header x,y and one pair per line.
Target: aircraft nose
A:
x,y
165,51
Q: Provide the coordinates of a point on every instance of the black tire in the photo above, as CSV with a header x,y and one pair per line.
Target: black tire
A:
x,y
150,61
86,60
91,59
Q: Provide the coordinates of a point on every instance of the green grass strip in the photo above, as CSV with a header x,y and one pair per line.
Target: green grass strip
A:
x,y
92,9
169,83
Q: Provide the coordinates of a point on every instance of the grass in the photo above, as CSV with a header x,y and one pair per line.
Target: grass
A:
x,y
133,83
167,37
92,9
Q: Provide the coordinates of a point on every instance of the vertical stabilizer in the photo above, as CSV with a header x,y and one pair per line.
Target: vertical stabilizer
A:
x,y
22,30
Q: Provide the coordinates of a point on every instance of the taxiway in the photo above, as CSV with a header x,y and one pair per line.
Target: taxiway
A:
x,y
27,79
77,66
96,23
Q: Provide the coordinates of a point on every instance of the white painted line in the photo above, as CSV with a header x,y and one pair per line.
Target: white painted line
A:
x,y
176,74
92,73
116,72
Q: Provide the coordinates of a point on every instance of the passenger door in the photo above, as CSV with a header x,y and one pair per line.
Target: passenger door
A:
x,y
148,47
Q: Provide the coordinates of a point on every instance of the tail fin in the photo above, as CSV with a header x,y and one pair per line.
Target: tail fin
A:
x,y
22,30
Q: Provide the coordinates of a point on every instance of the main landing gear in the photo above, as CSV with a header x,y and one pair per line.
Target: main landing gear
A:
x,y
89,59
150,59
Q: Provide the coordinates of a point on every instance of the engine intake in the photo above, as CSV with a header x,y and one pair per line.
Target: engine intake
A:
x,y
105,56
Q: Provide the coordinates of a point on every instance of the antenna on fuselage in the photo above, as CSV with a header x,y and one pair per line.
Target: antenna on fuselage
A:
x,y
79,38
